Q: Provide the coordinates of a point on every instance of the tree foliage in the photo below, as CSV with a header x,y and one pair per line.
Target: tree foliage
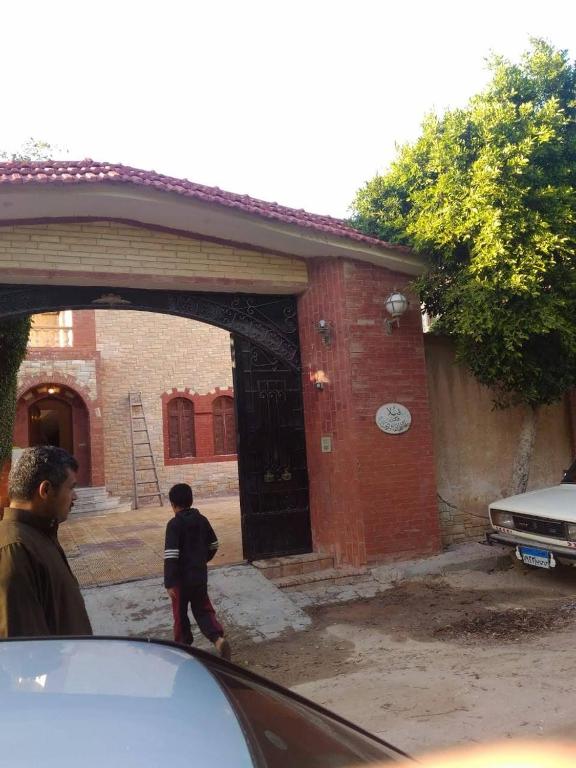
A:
x,y
14,333
32,150
488,194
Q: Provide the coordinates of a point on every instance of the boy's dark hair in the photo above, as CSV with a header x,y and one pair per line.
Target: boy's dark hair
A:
x,y
42,462
181,495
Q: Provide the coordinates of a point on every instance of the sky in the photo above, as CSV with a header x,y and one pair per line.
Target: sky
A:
x,y
297,102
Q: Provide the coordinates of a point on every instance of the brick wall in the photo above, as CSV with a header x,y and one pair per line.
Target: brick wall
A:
x,y
475,444
52,366
108,253
155,354
374,495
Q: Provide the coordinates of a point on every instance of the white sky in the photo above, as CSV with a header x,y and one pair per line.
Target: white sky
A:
x,y
294,101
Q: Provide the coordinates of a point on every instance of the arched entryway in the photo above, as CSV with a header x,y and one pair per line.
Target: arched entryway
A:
x,y
53,414
272,464
50,423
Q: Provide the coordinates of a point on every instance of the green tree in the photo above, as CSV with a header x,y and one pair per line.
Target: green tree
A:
x,y
14,332
32,150
488,194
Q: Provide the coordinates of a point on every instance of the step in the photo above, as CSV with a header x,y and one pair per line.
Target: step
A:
x,y
347,575
84,497
87,500
123,506
293,565
109,503
91,491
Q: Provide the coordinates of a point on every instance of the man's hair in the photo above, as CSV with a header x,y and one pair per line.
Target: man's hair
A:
x,y
43,462
181,495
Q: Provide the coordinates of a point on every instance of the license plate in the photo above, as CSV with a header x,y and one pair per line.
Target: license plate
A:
x,y
538,557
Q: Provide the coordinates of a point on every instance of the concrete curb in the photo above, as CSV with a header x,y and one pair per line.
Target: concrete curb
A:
x,y
471,556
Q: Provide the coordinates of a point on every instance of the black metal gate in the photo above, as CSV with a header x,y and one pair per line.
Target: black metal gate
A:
x,y
267,381
271,454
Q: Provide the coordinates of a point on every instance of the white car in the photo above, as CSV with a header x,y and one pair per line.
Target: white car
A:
x,y
540,525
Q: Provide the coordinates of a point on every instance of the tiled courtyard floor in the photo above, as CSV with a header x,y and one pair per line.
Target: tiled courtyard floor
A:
x,y
124,546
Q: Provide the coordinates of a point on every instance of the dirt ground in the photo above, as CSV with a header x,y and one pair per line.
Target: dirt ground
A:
x,y
468,657
431,662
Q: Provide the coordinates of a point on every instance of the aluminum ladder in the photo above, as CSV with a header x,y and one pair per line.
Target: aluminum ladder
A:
x,y
146,485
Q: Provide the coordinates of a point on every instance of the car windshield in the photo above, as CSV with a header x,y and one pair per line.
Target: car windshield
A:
x,y
570,474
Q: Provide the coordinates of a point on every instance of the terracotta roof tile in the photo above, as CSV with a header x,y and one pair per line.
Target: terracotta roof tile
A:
x,y
89,171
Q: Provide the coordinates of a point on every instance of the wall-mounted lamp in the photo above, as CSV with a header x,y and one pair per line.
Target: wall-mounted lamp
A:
x,y
396,305
319,379
323,328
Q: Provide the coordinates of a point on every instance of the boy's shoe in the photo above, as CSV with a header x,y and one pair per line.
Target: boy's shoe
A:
x,y
223,648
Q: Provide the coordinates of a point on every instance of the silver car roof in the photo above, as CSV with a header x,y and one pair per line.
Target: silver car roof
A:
x,y
109,703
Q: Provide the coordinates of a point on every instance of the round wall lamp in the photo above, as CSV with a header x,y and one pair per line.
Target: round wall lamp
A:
x,y
396,305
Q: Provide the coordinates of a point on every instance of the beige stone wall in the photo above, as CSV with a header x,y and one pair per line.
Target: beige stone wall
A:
x,y
107,248
81,372
152,353
475,445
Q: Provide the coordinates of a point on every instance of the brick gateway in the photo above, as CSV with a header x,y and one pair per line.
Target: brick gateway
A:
x,y
107,234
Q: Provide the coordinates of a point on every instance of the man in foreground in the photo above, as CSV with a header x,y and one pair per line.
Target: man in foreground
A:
x,y
39,594
190,544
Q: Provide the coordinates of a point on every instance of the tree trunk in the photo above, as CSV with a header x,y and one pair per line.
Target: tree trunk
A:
x,y
521,468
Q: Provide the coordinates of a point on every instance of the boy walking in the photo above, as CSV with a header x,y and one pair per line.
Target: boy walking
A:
x,y
190,544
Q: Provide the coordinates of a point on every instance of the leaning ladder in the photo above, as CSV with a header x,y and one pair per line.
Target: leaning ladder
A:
x,y
146,484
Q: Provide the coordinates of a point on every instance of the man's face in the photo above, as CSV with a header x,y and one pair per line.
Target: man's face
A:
x,y
58,501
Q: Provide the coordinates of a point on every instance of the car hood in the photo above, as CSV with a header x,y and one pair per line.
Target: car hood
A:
x,y
556,503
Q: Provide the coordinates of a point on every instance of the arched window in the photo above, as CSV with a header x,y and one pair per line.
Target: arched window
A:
x,y
181,428
224,421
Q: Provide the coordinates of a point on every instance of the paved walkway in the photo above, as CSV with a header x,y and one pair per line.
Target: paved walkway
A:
x,y
245,601
124,546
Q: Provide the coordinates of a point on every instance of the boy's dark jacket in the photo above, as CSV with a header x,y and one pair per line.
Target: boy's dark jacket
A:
x,y
190,543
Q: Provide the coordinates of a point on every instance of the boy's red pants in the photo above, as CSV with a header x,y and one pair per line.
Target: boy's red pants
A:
x,y
197,598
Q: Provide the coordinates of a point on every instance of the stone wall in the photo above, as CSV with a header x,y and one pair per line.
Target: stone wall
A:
x,y
55,369
155,354
474,444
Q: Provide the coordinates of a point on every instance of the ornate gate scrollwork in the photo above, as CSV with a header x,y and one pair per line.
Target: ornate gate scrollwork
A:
x,y
269,322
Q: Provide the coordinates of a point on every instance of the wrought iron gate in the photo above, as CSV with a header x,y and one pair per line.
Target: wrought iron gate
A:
x,y
271,454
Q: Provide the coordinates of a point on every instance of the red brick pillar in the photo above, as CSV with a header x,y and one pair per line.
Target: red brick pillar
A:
x,y
374,495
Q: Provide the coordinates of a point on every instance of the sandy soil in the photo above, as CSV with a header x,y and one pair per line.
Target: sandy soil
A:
x,y
439,661
432,662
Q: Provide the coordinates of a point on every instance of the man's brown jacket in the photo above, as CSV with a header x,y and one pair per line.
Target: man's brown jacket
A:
x,y
39,594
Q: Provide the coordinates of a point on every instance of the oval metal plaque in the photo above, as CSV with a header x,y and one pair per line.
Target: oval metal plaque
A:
x,y
393,418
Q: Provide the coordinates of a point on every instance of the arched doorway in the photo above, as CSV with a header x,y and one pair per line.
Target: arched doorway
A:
x,y
53,414
50,423
272,465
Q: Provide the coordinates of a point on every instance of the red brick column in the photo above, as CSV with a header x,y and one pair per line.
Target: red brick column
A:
x,y
374,495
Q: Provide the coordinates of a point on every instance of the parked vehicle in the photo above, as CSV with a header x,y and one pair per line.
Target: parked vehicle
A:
x,y
111,702
540,525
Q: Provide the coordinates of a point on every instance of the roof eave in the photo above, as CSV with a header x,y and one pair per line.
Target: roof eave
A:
x,y
196,218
